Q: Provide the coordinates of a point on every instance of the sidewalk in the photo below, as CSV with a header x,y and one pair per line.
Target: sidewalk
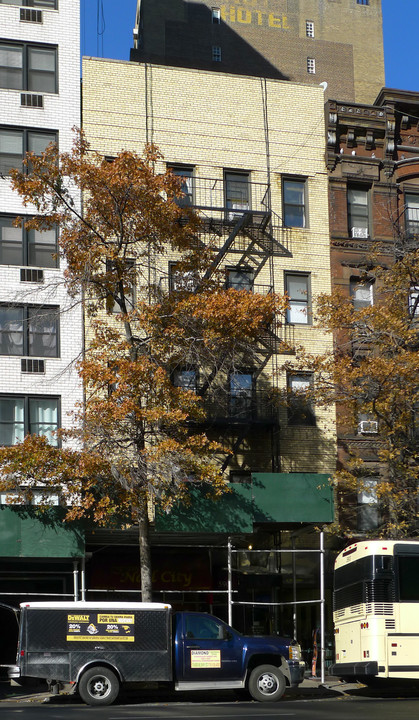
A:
x,y
309,689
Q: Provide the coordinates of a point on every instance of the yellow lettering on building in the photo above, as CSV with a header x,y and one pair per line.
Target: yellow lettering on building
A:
x,y
229,13
274,21
244,16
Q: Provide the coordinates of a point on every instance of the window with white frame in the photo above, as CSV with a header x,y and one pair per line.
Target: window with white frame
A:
x,y
216,15
294,202
362,293
309,28
367,424
300,408
414,301
29,330
23,415
358,211
18,246
297,287
182,280
186,175
311,66
216,53
16,142
368,512
412,213
28,67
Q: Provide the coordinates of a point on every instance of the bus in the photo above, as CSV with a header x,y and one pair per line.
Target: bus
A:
x,y
376,611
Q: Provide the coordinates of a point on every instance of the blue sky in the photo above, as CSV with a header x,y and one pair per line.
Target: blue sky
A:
x,y
115,24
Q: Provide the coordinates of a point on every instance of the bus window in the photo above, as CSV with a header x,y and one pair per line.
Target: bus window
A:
x,y
408,578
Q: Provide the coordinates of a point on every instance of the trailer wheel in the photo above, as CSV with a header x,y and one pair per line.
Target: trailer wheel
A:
x,y
266,683
98,686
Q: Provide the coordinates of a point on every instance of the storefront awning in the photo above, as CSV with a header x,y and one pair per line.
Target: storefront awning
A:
x,y
26,532
283,498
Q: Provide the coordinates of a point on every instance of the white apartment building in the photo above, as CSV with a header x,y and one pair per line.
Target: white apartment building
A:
x,y
39,334
40,326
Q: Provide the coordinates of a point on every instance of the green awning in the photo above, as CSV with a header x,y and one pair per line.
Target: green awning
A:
x,y
27,532
281,498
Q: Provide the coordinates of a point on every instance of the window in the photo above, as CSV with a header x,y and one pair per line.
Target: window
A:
x,y
20,416
241,394
237,195
30,331
309,28
362,293
204,628
15,143
50,4
368,514
311,66
367,424
412,213
216,53
187,185
240,279
414,301
294,204
28,67
297,287
179,280
358,212
216,15
27,247
185,378
128,281
363,2
300,411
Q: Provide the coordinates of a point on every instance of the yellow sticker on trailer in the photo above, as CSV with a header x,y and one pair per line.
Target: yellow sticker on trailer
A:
x,y
101,638
116,619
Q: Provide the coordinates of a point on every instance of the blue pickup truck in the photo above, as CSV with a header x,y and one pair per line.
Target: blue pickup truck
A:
x,y
94,648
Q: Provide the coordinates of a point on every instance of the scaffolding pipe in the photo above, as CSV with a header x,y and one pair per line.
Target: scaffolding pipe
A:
x,y
229,584
294,591
322,607
83,579
75,580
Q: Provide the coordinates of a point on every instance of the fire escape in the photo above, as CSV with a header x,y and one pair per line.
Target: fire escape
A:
x,y
245,237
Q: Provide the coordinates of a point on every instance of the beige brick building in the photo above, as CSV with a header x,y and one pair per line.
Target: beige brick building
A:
x,y
335,41
259,182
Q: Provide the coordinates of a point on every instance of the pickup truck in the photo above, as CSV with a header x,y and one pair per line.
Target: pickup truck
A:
x,y
95,648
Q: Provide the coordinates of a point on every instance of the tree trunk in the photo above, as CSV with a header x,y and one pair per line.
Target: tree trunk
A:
x,y
145,557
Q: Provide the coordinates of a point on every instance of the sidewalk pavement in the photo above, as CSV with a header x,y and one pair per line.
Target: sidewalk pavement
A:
x,y
310,688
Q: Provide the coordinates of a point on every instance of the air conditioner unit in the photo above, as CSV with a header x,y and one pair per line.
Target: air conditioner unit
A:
x,y
368,427
359,232
30,100
31,275
29,365
29,15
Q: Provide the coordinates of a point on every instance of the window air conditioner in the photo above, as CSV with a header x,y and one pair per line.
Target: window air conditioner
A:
x,y
359,232
368,427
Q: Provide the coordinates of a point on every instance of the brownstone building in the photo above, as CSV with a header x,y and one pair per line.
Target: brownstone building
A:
x,y
312,41
373,161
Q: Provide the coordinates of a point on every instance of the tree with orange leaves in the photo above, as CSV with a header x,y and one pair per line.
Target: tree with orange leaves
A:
x,y
372,377
140,431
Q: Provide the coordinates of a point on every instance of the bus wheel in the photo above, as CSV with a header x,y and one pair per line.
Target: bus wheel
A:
x,y
98,686
266,683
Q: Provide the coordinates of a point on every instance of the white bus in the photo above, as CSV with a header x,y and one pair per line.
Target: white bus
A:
x,y
376,610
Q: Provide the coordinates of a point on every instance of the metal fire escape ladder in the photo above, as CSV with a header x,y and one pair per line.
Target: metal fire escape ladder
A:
x,y
241,222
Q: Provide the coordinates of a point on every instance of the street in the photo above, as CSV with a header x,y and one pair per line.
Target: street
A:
x,y
362,704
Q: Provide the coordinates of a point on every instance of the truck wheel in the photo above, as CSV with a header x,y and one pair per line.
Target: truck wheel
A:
x,y
98,686
266,683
